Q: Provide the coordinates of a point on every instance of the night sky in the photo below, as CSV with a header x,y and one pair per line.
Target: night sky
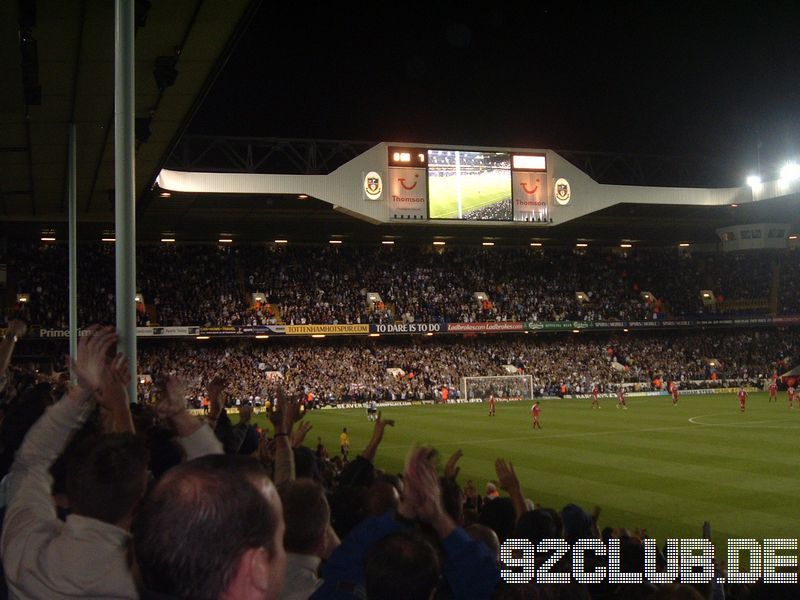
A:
x,y
658,78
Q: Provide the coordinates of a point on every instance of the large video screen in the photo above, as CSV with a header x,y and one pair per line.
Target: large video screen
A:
x,y
469,185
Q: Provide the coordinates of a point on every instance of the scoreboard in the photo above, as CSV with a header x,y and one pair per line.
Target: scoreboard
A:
x,y
470,185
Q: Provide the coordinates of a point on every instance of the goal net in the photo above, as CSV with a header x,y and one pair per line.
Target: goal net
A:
x,y
502,387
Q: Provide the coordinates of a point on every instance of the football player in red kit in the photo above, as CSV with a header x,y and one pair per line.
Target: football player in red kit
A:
x,y
790,394
595,396
492,405
742,398
535,413
621,399
773,392
673,388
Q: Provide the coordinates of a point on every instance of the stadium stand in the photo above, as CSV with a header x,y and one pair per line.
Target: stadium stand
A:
x,y
213,285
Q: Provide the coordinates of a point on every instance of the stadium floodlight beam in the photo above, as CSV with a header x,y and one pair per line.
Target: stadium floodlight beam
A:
x,y
225,240
334,241
48,238
281,241
387,242
262,336
626,245
684,245
536,244
439,243
754,181
790,171
487,243
581,245
108,239
168,240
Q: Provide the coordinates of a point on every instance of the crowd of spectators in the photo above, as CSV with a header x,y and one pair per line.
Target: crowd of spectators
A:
x,y
789,300
214,286
359,370
108,499
497,211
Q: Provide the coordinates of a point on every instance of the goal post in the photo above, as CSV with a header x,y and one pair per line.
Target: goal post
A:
x,y
502,387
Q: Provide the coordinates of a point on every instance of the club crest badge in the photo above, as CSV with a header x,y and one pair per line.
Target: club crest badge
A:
x,y
373,185
563,192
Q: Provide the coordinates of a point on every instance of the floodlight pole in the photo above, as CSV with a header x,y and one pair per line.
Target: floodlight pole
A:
x,y
124,180
72,194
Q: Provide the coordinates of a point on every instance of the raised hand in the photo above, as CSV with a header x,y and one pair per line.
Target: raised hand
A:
x,y
116,376
113,396
380,426
508,481
423,491
451,469
377,436
90,364
299,435
277,408
506,476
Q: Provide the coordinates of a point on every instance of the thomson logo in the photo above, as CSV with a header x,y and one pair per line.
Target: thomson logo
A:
x,y
524,185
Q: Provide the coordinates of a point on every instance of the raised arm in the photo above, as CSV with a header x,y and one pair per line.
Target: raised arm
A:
x,y
469,568
15,330
510,482
113,397
283,414
377,436
31,516
195,436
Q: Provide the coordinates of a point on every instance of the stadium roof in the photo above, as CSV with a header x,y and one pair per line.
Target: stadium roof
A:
x,y
57,67
75,70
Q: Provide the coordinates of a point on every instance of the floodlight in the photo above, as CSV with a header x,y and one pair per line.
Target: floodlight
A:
x,y
754,181
790,171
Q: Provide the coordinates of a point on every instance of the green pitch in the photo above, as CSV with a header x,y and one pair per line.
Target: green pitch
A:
x,y
654,466
476,192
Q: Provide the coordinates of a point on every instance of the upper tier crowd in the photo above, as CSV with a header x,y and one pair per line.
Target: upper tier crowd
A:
x,y
206,285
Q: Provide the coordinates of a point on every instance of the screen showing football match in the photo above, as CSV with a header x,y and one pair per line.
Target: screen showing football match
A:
x,y
469,185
